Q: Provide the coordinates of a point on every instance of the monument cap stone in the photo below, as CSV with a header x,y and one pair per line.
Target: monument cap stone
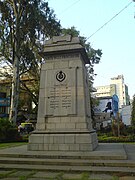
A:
x,y
64,44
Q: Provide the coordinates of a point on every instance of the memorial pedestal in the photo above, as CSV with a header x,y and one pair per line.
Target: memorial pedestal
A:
x,y
64,116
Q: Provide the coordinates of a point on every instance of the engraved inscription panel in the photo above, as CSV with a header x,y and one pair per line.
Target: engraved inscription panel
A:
x,y
61,96
66,100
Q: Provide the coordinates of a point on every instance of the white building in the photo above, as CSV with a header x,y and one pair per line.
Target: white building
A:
x,y
121,90
126,114
117,87
105,91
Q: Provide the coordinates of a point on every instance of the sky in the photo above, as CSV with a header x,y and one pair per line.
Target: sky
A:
x,y
116,39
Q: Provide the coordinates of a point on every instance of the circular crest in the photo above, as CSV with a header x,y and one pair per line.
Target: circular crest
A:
x,y
60,76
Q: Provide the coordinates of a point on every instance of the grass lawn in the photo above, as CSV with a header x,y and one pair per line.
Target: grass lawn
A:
x,y
11,144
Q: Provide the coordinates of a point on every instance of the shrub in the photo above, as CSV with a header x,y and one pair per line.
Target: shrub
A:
x,y
114,139
8,132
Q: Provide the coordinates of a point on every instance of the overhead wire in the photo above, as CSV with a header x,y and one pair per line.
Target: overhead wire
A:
x,y
110,20
70,6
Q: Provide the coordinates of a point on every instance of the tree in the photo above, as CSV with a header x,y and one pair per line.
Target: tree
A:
x,y
24,26
133,113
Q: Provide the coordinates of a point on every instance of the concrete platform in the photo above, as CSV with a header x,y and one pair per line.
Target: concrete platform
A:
x,y
104,151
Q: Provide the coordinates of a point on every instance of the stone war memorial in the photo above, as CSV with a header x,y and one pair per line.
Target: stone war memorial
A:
x,y
64,114
64,140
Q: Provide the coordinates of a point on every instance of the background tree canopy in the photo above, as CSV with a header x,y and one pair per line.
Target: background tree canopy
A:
x,y
133,113
25,25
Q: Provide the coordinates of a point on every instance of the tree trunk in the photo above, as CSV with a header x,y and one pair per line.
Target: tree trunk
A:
x,y
16,58
16,82
11,103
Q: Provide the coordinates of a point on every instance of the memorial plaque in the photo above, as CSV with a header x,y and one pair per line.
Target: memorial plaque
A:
x,y
60,97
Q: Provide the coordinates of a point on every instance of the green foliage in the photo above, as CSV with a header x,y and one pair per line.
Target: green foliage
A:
x,y
85,176
115,178
94,103
8,132
24,26
25,177
126,134
133,112
113,139
33,21
59,176
11,144
129,130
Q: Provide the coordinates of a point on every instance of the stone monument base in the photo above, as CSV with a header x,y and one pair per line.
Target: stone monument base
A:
x,y
63,141
64,121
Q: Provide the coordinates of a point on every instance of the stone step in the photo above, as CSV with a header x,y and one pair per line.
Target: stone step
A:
x,y
73,155
127,170
68,155
69,162
103,152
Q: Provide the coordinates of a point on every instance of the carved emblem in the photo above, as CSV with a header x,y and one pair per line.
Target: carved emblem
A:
x,y
60,76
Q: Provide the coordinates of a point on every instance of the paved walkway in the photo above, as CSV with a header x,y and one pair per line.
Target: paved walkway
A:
x,y
32,175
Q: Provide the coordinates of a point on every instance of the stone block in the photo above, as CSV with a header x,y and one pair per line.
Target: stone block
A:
x,y
36,138
81,106
60,64
48,139
46,147
50,126
85,147
42,79
40,126
78,119
48,66
41,109
65,119
79,77
33,147
70,125
81,125
50,78
83,139
59,139
80,92
75,63
74,147
95,144
57,39
42,93
54,120
41,120
64,147
69,139
60,126
41,147
53,147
